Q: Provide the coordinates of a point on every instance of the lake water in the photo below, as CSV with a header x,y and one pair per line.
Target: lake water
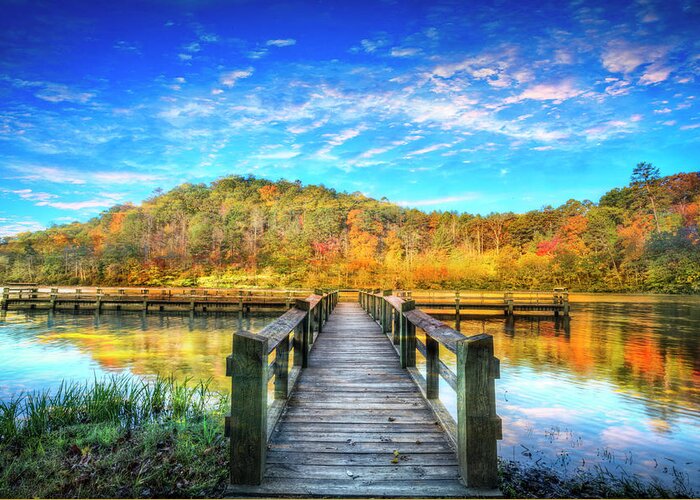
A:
x,y
618,387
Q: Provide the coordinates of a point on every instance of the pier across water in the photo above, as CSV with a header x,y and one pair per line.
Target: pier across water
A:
x,y
350,415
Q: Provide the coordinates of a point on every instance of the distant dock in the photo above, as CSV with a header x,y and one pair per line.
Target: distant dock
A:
x,y
23,296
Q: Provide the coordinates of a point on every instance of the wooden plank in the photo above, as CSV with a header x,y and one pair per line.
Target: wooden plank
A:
x,y
374,472
358,488
306,458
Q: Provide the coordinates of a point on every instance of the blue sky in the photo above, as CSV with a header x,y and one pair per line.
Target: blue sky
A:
x,y
454,105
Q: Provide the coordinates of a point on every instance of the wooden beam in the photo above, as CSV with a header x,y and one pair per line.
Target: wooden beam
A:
x,y
478,426
248,446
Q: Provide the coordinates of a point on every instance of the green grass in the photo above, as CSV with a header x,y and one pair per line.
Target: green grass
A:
x,y
116,437
538,481
120,437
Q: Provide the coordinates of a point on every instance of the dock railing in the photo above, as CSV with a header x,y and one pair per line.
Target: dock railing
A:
x,y
253,416
477,428
143,298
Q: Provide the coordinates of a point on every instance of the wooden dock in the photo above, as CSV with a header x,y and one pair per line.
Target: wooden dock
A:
x,y
30,296
352,416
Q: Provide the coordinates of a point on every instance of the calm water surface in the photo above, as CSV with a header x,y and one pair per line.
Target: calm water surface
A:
x,y
617,387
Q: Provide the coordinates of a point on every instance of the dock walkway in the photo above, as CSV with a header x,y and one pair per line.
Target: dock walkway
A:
x,y
356,424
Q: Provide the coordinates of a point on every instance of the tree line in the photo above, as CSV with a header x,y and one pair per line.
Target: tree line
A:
x,y
247,231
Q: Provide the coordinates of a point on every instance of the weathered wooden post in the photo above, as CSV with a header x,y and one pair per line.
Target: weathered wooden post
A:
x,y
458,316
319,309
282,369
144,298
98,302
248,422
307,331
5,298
432,368
509,303
478,426
407,342
52,298
397,326
566,302
386,312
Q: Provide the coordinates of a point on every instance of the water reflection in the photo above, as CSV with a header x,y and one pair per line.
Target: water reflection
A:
x,y
617,386
37,350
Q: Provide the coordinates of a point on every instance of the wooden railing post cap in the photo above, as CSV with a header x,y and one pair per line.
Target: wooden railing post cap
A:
x,y
248,335
302,304
408,305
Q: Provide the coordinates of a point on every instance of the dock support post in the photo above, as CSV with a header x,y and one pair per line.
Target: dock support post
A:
x,y
478,426
248,423
407,342
307,331
386,312
320,309
5,298
509,303
432,368
281,369
397,326
458,316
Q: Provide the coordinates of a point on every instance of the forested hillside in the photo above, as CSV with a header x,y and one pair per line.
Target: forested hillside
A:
x,y
246,231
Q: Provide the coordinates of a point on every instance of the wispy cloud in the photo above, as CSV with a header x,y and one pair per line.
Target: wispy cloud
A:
x,y
77,205
281,42
230,78
55,175
556,92
439,201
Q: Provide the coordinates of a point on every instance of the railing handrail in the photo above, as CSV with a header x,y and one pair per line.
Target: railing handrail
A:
x,y
252,420
477,427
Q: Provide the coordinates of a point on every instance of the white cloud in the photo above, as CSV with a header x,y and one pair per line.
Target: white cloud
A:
x,y
556,92
77,205
12,226
283,42
655,73
344,136
67,176
28,194
278,155
438,201
371,46
662,111
185,57
624,57
49,174
428,149
61,93
229,79
121,177
404,52
619,87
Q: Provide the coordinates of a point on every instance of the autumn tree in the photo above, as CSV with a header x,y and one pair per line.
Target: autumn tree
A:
x,y
645,176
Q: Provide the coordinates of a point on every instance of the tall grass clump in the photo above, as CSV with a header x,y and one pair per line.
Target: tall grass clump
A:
x,y
114,437
120,400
